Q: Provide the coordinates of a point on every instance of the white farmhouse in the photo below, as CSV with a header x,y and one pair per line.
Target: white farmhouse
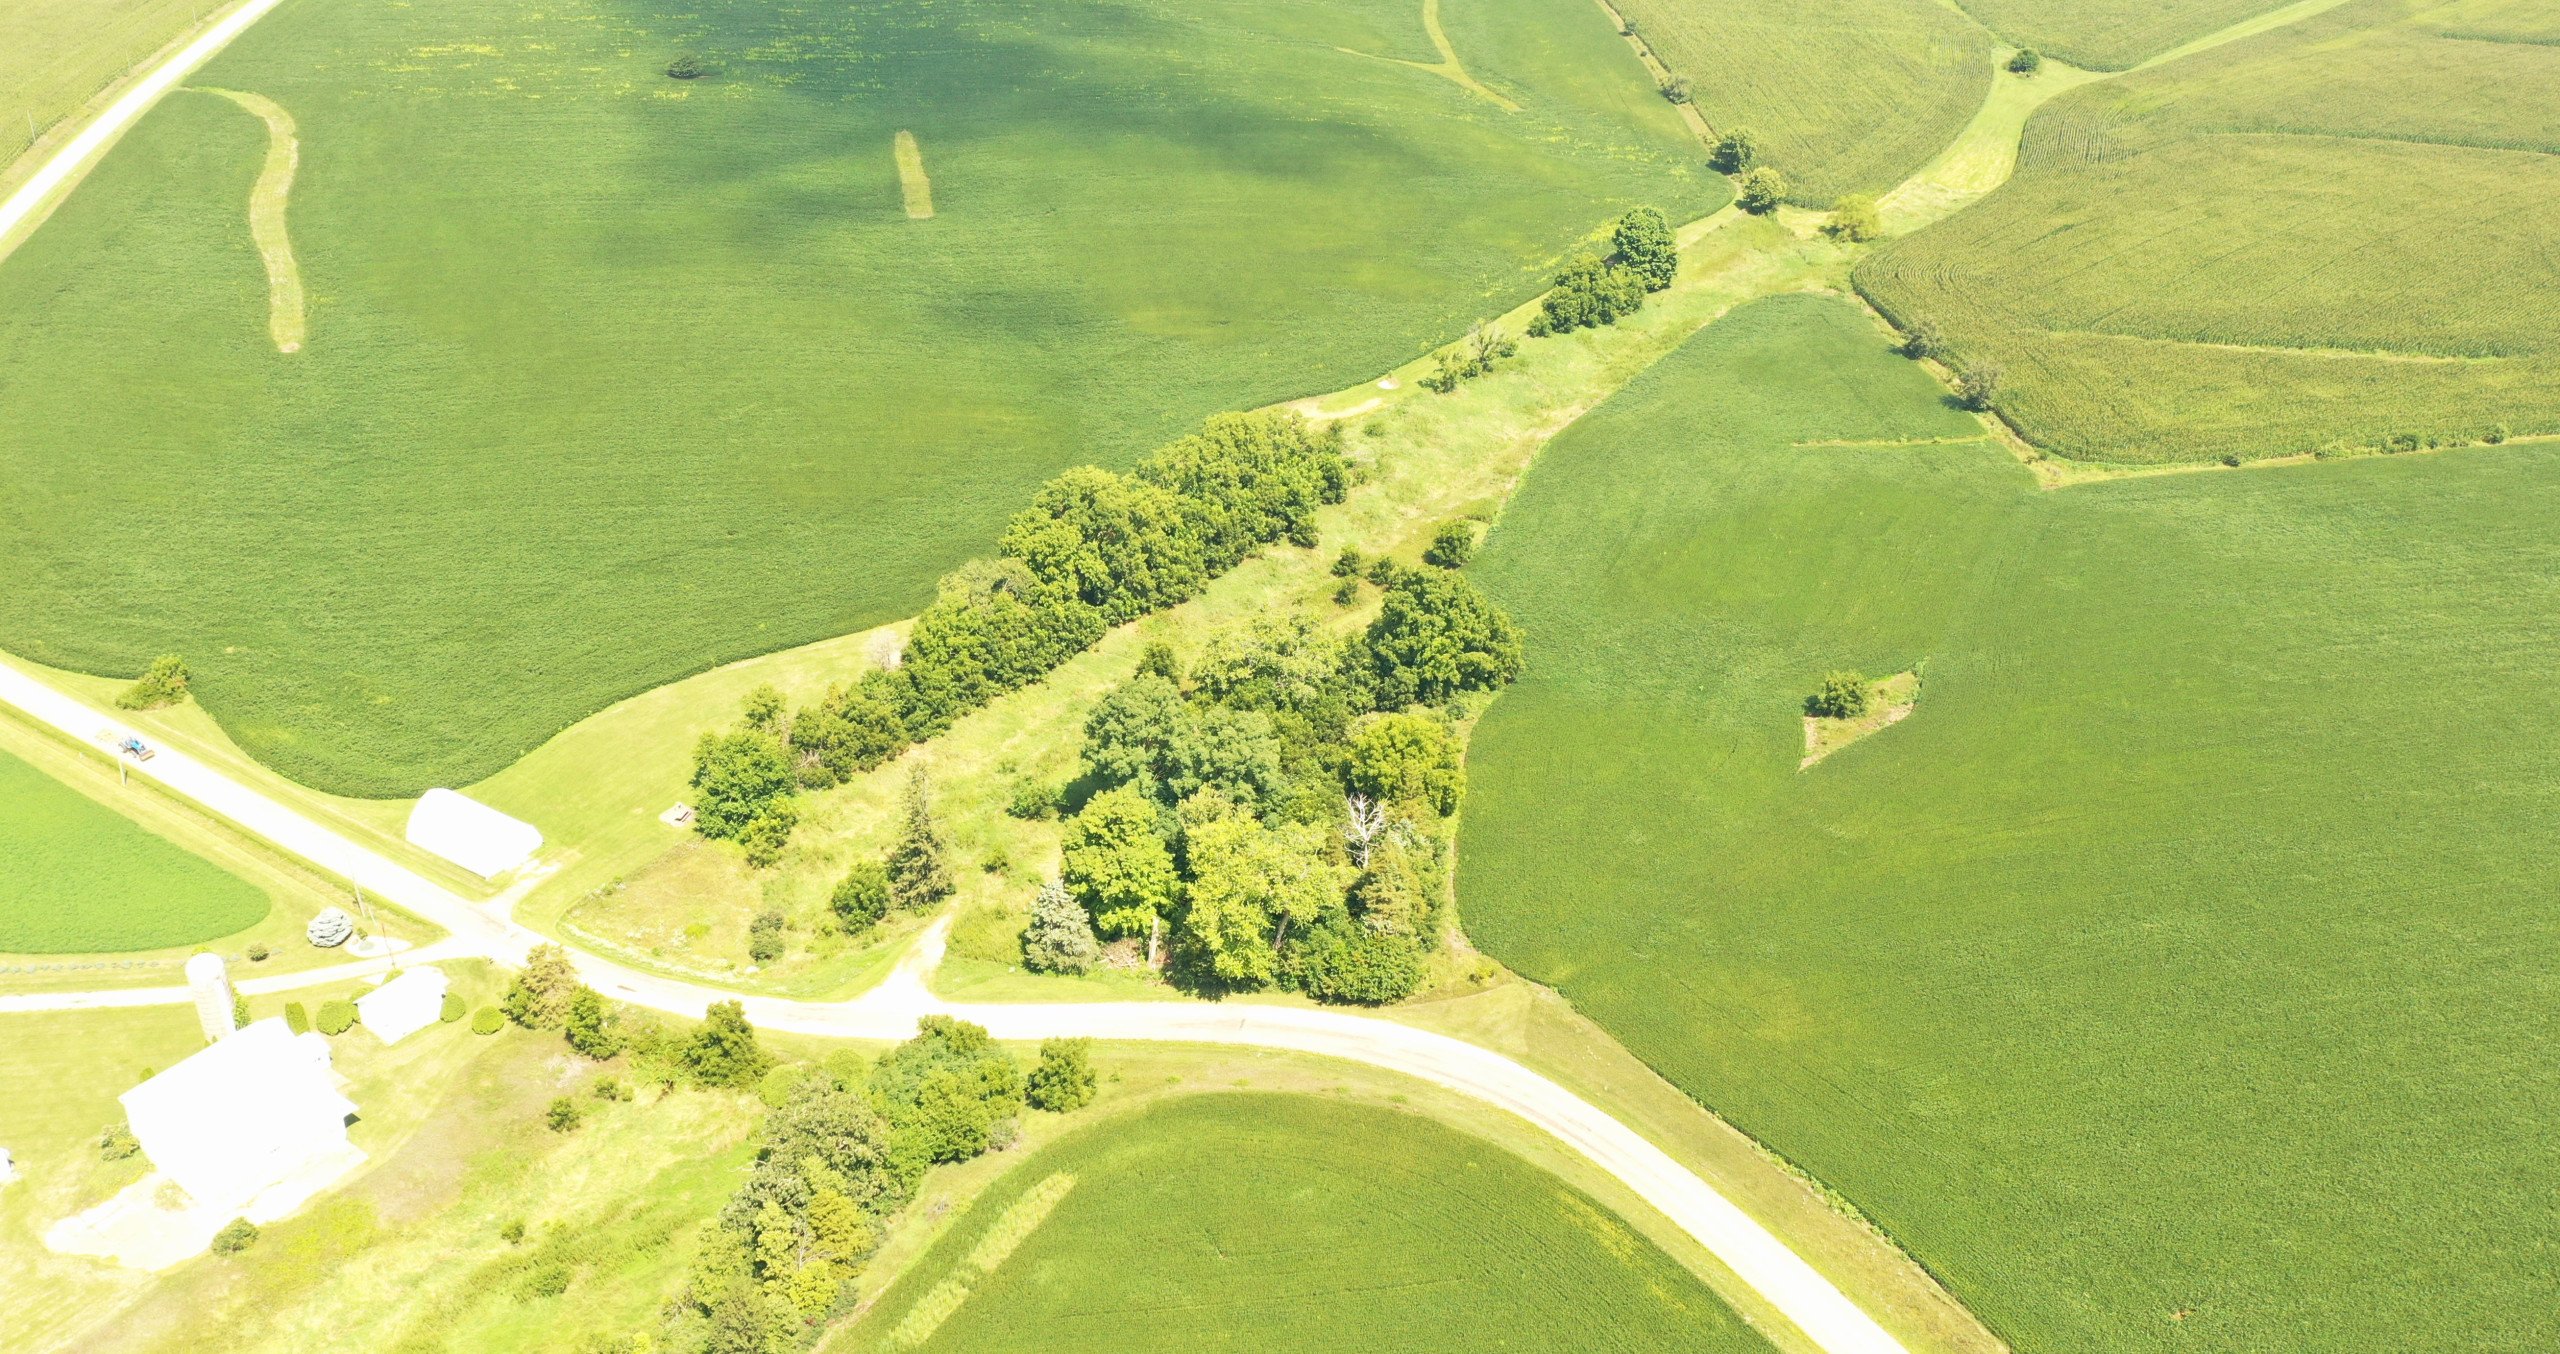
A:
x,y
248,1113
404,1005
471,834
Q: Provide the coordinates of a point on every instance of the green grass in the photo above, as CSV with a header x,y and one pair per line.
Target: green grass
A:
x,y
2109,34
76,877
2179,975
62,53
2330,235
612,378
1288,1223
1846,95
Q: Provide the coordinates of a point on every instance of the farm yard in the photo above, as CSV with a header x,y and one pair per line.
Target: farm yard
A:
x,y
76,877
611,377
2334,234
1287,1223
2182,961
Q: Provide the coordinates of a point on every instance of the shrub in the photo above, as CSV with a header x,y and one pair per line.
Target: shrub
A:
x,y
564,1115
257,953
336,1017
609,1088
589,1025
861,898
1843,695
1451,546
1063,1081
1349,563
780,1082
234,1237
919,874
239,1011
1347,591
1922,339
1032,800
2026,61
1647,247
117,1143
686,67
454,1008
163,683
2232,459
2497,435
512,1231
1158,659
1060,938
1854,219
486,1020
1979,387
297,1019
1676,89
766,937
1761,191
1734,152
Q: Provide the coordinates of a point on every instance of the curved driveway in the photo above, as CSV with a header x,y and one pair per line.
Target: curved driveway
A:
x,y
890,1011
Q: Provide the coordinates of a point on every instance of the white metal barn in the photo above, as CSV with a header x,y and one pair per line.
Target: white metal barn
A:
x,y
246,1113
471,834
404,1005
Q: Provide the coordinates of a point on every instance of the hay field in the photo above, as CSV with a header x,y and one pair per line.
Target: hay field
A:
x,y
76,877
612,377
2110,35
2336,234
1290,1224
2180,975
1846,95
62,53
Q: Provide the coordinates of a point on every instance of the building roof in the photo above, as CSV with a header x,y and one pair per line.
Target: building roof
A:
x,y
404,1005
471,834
263,1071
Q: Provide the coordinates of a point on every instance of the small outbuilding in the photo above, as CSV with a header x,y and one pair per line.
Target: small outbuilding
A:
x,y
404,1005
246,1114
471,834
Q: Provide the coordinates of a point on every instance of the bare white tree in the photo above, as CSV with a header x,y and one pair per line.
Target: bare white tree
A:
x,y
1366,821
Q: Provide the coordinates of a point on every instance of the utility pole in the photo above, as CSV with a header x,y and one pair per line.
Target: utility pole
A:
x,y
372,926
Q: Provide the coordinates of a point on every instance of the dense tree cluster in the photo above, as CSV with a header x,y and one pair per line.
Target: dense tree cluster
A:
x,y
1094,549
1591,291
1842,695
1281,818
163,683
835,1162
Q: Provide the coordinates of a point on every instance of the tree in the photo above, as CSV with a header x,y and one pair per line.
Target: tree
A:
x,y
1060,938
589,1025
1408,759
766,713
1676,89
1979,387
946,1091
1762,190
1854,219
1344,961
163,683
919,873
1588,292
1922,339
686,67
2026,61
1436,635
235,1237
853,729
1159,659
1063,1081
538,999
738,778
1735,151
1647,247
724,1051
1250,886
1843,695
767,937
488,1020
1115,862
1451,546
1145,734
861,898
564,1115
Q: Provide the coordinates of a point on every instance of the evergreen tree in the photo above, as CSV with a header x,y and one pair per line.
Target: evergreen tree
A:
x,y
919,876
589,1025
1060,939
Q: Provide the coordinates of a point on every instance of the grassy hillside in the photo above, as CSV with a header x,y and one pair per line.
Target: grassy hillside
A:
x,y
2179,974
76,877
1846,96
2110,34
2335,234
611,377
63,52
1289,1224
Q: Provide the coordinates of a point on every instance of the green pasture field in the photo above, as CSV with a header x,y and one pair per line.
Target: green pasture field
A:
x,y
1291,1223
2110,34
76,877
62,53
2180,974
1846,96
2332,235
613,377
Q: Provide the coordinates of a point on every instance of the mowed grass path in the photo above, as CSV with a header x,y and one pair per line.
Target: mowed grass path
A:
x,y
2110,34
2336,233
76,877
611,378
1294,1225
2182,973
